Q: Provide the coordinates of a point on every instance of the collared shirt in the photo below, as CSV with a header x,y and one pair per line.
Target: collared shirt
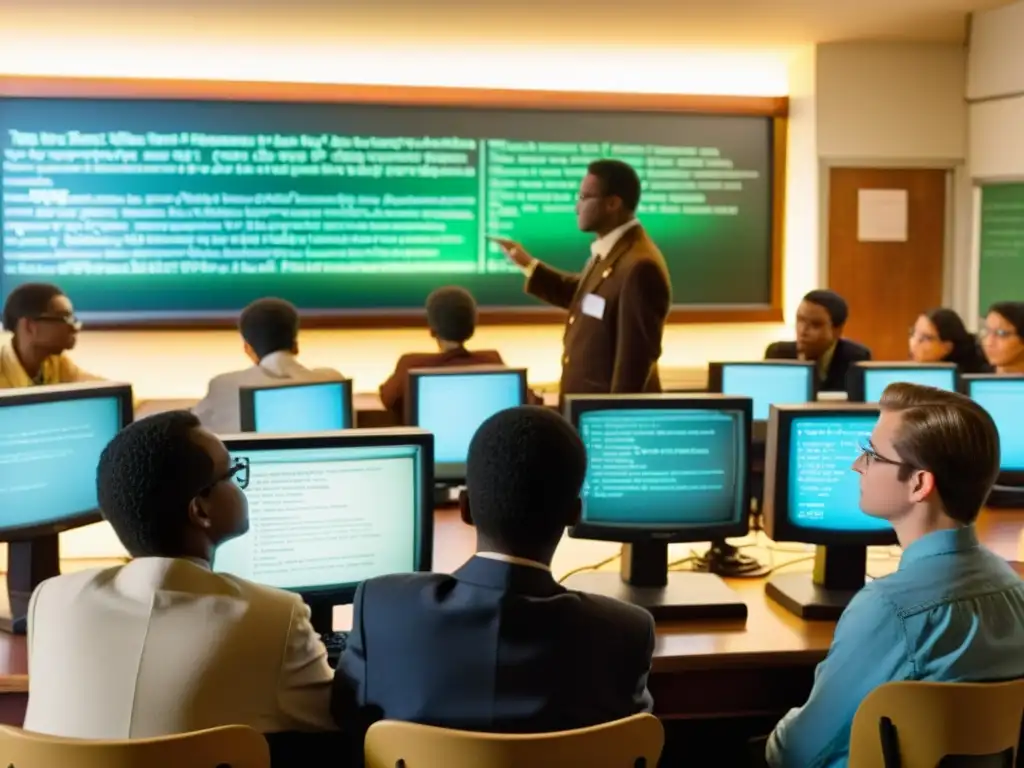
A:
x,y
825,361
514,560
599,249
953,612
56,369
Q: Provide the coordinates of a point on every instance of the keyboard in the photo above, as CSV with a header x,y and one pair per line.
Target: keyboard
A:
x,y
335,643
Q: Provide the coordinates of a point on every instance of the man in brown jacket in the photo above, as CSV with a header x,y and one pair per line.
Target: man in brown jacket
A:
x,y
619,302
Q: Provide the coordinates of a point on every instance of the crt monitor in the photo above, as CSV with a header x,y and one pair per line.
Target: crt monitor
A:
x,y
812,495
663,468
329,510
1002,395
765,382
866,381
51,438
296,407
453,402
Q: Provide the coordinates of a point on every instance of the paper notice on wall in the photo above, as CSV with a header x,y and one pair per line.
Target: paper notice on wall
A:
x,y
882,215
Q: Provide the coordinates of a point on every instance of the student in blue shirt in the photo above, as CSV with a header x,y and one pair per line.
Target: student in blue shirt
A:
x,y
953,611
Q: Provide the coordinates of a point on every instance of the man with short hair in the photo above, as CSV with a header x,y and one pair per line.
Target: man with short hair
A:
x,y
619,303
820,319
162,644
270,332
499,645
953,612
44,328
451,317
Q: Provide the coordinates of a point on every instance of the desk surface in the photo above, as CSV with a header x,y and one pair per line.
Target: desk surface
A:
x,y
771,636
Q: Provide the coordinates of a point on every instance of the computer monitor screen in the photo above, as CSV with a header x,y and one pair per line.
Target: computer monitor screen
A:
x,y
452,404
50,444
1003,398
764,382
664,467
869,380
329,511
812,493
294,408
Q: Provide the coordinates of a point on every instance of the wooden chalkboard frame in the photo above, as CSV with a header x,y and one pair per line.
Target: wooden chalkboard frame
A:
x,y
774,107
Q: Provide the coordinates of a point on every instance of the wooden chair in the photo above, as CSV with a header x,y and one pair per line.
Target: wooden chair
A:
x,y
934,725
230,746
633,742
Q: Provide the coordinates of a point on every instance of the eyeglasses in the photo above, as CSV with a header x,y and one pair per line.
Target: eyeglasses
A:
x,y
238,473
922,337
998,333
583,197
68,320
870,455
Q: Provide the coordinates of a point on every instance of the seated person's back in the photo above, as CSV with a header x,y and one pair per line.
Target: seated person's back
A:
x,y
819,328
499,645
451,317
270,332
953,612
162,644
44,328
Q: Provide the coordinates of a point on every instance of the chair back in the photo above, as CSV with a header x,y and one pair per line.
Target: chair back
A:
x,y
932,725
229,746
633,742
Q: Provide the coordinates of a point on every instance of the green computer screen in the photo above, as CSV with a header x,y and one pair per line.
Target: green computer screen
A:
x,y
146,209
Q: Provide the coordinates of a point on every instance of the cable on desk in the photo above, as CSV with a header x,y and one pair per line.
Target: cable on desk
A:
x,y
593,567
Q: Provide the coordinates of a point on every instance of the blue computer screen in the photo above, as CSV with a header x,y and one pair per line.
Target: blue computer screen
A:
x,y
824,491
308,408
453,406
48,458
767,384
1004,400
323,517
663,468
877,379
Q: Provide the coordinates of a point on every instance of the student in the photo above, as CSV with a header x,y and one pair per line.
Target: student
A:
x,y
819,328
44,328
953,612
164,645
1002,338
499,645
451,317
939,336
270,330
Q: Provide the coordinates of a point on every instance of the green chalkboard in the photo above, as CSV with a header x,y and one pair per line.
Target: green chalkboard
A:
x,y
1002,244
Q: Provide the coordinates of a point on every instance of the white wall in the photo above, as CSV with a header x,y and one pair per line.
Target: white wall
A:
x,y
995,66
995,89
892,101
900,105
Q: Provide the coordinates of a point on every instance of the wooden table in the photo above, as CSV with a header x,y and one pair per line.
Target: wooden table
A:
x,y
701,669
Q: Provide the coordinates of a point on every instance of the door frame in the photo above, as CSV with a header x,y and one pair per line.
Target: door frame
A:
x,y
959,257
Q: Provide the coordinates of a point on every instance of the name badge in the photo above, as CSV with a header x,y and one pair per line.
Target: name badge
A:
x,y
593,305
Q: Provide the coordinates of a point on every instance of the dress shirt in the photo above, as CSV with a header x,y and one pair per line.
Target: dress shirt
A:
x,y
599,249
953,612
514,560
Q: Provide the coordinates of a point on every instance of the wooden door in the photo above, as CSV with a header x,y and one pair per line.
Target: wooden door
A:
x,y
886,283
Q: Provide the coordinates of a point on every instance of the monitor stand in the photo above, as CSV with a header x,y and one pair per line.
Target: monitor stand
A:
x,y
446,494
645,581
29,563
1006,496
838,575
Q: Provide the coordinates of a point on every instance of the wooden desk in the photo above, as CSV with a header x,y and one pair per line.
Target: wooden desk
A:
x,y
701,669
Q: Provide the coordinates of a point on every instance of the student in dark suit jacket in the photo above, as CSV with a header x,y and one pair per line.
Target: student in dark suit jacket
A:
x,y
619,303
819,328
451,316
499,645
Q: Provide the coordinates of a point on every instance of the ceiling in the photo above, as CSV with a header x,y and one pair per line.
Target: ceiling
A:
x,y
761,23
